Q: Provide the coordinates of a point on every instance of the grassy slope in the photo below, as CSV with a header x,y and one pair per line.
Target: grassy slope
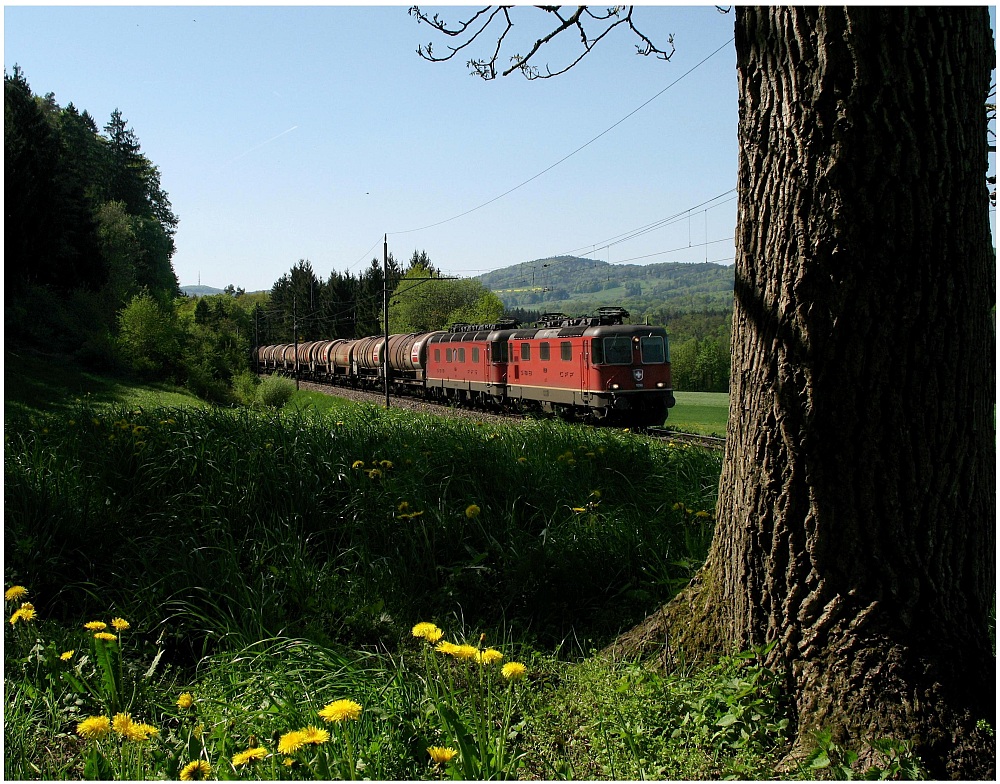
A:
x,y
33,382
596,720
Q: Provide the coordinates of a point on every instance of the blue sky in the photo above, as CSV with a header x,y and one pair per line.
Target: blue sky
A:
x,y
287,133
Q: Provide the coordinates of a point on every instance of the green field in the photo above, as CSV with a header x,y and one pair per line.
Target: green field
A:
x,y
705,413
36,382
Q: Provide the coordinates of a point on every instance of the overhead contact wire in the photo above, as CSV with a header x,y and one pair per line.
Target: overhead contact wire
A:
x,y
574,152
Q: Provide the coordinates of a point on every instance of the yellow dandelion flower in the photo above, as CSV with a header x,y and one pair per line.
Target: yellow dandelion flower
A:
x,y
446,647
386,464
120,624
428,631
15,592
106,636
199,770
291,742
489,656
138,733
472,511
122,723
358,464
25,614
441,754
466,652
249,756
514,671
94,727
404,507
95,626
340,710
288,762
314,735
66,655
579,509
522,460
703,514
185,701
374,474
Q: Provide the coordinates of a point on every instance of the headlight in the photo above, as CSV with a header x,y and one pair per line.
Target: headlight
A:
x,y
614,386
660,384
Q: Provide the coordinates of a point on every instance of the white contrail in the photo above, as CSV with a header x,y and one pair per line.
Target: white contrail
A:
x,y
252,149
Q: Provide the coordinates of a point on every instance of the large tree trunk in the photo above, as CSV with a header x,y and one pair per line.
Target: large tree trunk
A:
x,y
857,502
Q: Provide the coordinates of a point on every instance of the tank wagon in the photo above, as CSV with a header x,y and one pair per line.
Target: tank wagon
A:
x,y
592,368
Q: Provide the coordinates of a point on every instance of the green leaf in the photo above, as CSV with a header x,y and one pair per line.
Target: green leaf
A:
x,y
97,767
107,655
470,755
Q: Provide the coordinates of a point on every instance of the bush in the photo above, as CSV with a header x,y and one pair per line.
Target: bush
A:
x,y
245,387
275,391
149,338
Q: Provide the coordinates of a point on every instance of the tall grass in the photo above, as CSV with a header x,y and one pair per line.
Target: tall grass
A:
x,y
248,525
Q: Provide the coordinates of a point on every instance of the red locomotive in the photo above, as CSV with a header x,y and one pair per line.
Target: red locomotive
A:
x,y
594,368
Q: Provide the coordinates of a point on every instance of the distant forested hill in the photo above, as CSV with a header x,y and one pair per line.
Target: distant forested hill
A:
x,y
575,285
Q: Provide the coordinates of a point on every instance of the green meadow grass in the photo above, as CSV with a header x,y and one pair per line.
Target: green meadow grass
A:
x,y
38,383
270,563
705,413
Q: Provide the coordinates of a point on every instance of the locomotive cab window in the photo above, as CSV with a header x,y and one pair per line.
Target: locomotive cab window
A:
x,y
475,355
566,351
460,352
526,351
437,355
617,350
653,350
543,352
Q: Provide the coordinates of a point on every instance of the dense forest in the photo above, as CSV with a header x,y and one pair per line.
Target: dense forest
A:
x,y
88,226
89,274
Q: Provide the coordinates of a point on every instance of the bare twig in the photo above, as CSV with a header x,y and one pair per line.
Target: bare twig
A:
x,y
579,20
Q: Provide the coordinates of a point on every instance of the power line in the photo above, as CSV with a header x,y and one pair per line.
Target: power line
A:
x,y
633,233
574,152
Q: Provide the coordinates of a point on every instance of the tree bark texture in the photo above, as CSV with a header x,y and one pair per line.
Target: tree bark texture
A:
x,y
856,515
857,501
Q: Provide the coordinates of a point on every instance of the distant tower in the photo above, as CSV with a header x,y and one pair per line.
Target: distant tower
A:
x,y
199,277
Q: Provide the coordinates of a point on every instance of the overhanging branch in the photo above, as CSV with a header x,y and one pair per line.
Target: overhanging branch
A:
x,y
582,18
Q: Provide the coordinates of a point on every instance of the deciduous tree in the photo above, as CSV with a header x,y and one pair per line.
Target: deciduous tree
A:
x,y
857,508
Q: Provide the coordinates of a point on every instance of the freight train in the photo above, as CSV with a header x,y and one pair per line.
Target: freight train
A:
x,y
593,368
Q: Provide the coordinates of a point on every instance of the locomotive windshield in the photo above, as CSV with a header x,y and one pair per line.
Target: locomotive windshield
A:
x,y
617,350
653,350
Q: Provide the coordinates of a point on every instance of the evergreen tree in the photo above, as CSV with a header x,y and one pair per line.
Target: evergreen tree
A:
x,y
49,233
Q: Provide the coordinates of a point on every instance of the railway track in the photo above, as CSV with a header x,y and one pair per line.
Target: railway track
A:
x,y
664,434
421,405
